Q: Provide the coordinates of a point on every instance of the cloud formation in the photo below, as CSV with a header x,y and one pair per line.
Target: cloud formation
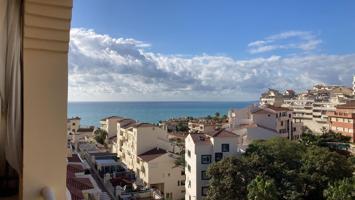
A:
x,y
105,68
290,40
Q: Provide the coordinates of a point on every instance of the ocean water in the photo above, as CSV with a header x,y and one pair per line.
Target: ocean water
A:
x,y
152,112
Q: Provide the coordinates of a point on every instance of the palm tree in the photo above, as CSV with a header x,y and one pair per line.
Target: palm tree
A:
x,y
261,189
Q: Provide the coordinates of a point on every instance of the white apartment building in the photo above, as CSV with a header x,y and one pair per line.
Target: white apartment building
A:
x,y
354,85
201,150
266,121
145,149
277,119
109,124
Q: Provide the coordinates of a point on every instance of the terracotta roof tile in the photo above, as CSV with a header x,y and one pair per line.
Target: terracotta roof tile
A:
x,y
152,154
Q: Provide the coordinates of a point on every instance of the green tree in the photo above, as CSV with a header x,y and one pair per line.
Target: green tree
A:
x,y
298,171
229,179
321,167
261,189
340,190
100,136
217,114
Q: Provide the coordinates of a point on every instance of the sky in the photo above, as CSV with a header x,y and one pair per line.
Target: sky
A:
x,y
204,50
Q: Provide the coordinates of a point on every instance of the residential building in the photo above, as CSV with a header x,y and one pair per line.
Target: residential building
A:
x,y
73,125
145,149
201,126
354,85
272,97
109,124
80,183
342,120
82,134
277,119
201,150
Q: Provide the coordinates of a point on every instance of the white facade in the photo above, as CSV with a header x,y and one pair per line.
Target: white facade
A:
x,y
354,85
201,150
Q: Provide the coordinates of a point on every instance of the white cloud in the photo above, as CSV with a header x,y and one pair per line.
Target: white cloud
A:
x,y
106,68
296,40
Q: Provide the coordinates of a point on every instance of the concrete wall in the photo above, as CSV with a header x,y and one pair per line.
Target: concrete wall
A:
x,y
46,38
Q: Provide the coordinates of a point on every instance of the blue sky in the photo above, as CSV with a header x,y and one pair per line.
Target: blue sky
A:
x,y
170,39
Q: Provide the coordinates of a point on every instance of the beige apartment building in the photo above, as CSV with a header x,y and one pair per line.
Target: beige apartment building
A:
x,y
201,150
145,149
109,124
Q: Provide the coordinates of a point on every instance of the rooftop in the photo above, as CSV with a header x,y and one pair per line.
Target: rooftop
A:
x,y
348,105
152,154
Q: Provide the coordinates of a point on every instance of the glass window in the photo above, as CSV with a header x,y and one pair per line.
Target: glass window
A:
x,y
189,153
204,175
189,168
204,191
225,147
206,159
218,156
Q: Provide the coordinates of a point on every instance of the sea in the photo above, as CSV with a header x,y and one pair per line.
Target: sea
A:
x,y
152,112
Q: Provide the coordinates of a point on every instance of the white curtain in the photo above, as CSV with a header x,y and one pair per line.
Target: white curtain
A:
x,y
11,84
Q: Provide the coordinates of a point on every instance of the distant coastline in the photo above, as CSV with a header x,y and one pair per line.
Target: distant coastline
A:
x,y
149,111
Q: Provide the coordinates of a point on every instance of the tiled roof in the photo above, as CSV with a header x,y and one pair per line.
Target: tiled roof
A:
x,y
152,154
75,168
349,105
137,125
270,109
222,133
79,183
200,138
126,123
75,193
112,117
88,129
74,158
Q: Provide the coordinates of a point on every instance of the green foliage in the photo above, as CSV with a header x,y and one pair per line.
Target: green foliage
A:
x,y
229,179
180,161
182,127
340,190
261,189
321,167
100,136
297,171
333,141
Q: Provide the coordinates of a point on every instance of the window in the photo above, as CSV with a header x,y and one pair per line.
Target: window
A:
x,y
289,115
73,123
218,156
225,147
182,173
189,168
189,153
182,182
206,159
204,175
204,191
282,123
268,115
